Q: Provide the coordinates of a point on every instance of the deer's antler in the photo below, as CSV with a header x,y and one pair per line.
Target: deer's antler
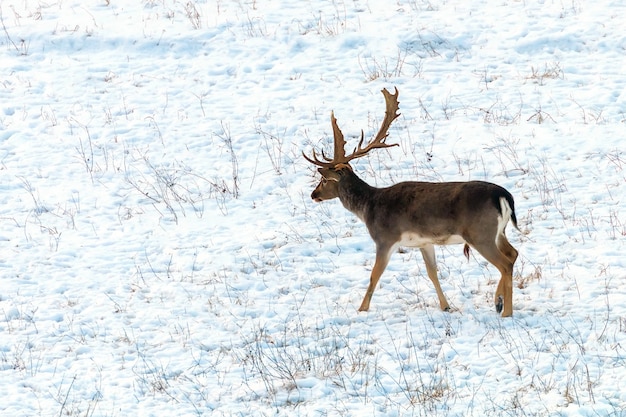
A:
x,y
391,113
339,155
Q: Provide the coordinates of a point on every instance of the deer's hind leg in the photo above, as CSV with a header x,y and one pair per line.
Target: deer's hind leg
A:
x,y
504,292
501,254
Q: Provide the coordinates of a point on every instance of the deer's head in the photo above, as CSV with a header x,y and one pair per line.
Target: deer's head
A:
x,y
335,168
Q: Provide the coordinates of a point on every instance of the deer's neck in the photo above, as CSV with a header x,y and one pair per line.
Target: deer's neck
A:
x,y
355,194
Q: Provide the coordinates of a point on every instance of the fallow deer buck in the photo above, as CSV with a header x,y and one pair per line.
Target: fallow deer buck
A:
x,y
421,214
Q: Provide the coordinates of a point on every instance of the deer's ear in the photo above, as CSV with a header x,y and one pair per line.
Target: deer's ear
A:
x,y
342,169
329,173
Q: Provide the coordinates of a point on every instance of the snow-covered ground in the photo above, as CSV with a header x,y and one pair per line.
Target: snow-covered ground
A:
x,y
160,254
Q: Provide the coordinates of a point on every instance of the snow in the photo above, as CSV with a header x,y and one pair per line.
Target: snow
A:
x,y
160,254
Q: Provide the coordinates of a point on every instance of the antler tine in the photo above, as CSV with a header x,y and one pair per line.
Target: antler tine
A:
x,y
316,161
339,148
391,113
339,154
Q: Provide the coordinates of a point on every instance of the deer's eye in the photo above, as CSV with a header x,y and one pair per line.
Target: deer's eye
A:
x,y
324,181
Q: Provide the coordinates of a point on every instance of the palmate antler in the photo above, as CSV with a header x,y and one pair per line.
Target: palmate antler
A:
x,y
339,155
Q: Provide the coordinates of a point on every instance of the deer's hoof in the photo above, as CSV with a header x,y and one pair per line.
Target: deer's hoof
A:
x,y
499,304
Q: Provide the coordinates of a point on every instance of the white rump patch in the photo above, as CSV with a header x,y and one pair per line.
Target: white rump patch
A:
x,y
503,219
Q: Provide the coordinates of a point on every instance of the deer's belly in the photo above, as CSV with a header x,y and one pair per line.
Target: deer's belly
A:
x,y
415,240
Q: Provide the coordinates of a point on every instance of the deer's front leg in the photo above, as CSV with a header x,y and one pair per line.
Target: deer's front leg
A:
x,y
428,253
382,259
